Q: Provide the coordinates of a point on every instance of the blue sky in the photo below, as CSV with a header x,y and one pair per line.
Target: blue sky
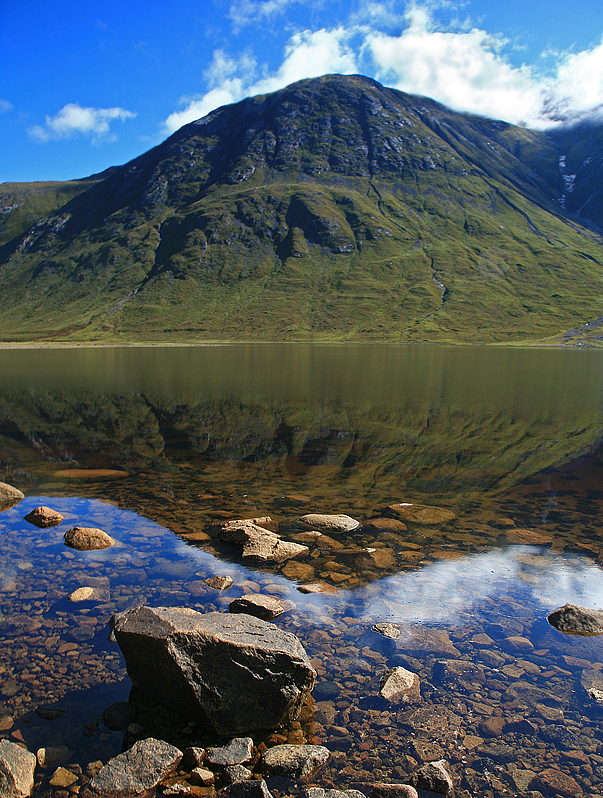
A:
x,y
86,84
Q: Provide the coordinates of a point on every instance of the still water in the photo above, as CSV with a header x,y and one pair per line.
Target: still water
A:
x,y
156,445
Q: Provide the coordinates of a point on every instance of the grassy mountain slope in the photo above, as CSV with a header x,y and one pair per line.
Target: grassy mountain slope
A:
x,y
331,210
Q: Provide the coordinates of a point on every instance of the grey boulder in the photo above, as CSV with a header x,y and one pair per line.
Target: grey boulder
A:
x,y
240,673
295,761
575,620
17,767
136,771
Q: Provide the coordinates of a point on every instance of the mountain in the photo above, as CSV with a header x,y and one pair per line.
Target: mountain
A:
x,y
334,209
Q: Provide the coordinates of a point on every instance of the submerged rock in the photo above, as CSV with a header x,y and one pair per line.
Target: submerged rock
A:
x,y
320,522
239,672
421,514
381,790
400,686
575,620
219,582
44,517
136,771
17,767
87,538
9,496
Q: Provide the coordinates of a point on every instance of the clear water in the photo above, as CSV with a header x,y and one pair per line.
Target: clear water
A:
x,y
507,439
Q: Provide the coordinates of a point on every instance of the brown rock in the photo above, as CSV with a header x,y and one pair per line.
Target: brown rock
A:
x,y
63,778
92,474
492,727
377,525
219,582
527,537
553,781
317,587
381,790
298,571
262,606
421,514
44,517
87,538
9,496
321,522
518,645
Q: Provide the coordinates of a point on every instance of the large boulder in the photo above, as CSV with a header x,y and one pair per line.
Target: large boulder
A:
x,y
9,496
17,767
241,673
575,620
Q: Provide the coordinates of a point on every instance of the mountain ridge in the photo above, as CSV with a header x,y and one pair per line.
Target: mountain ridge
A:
x,y
334,209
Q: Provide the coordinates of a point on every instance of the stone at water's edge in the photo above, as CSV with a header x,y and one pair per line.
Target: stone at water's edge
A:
x,y
295,761
17,767
261,606
257,542
575,620
136,771
85,538
241,673
9,496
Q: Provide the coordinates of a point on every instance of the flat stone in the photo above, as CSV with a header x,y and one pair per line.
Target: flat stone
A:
x,y
319,792
298,571
458,671
136,771
218,582
522,779
295,761
421,514
236,752
399,685
317,587
517,645
257,542
492,726
555,781
240,672
63,778
380,525
575,620
591,681
17,767
44,517
88,593
415,638
527,537
321,522
9,496
259,605
389,630
87,538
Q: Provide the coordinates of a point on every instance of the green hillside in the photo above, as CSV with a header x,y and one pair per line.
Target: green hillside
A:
x,y
331,210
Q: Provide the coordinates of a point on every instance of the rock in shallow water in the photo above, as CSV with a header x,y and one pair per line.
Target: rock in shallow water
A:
x,y
259,605
421,514
240,672
85,538
136,771
44,517
327,524
575,620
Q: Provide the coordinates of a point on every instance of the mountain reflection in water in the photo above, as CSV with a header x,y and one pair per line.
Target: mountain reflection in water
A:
x,y
506,438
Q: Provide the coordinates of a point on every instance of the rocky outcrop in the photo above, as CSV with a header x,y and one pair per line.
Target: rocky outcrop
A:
x,y
17,767
239,672
575,620
9,496
136,771
85,538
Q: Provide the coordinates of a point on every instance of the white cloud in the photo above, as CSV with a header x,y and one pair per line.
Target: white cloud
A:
x,y
308,54
578,88
251,12
72,119
465,71
5,106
